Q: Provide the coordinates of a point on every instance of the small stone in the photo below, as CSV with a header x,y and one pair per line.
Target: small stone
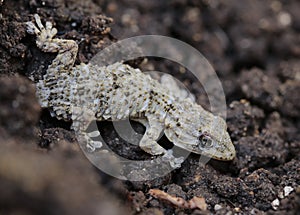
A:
x,y
237,210
275,204
217,207
284,19
287,190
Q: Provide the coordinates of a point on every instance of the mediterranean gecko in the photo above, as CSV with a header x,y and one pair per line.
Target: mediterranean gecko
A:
x,y
85,92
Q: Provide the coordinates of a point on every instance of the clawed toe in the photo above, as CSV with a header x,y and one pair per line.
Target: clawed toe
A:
x,y
31,28
39,22
35,29
38,28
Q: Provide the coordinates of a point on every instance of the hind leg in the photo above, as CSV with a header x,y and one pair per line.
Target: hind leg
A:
x,y
177,91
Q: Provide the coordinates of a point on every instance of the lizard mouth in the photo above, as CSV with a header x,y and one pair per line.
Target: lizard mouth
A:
x,y
227,154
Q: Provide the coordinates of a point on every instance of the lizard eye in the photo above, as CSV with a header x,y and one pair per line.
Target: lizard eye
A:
x,y
205,141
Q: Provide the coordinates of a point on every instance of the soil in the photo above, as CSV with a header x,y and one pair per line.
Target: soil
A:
x,y
254,47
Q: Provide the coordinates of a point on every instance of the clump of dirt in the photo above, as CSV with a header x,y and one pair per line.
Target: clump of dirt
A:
x,y
19,108
255,49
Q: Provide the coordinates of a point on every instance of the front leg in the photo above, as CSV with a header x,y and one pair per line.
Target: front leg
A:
x,y
149,141
67,49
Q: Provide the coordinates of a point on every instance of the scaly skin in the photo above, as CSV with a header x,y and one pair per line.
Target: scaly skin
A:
x,y
86,92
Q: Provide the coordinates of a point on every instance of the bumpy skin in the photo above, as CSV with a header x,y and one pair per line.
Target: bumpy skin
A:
x,y
85,92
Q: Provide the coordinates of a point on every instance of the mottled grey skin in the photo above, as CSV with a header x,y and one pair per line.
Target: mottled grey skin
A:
x,y
86,92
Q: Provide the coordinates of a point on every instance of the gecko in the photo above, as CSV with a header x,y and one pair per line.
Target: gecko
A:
x,y
87,92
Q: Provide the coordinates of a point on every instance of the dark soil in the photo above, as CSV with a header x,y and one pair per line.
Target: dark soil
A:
x,y
254,47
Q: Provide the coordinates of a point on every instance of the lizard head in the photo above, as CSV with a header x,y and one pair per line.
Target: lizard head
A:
x,y
201,132
214,141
